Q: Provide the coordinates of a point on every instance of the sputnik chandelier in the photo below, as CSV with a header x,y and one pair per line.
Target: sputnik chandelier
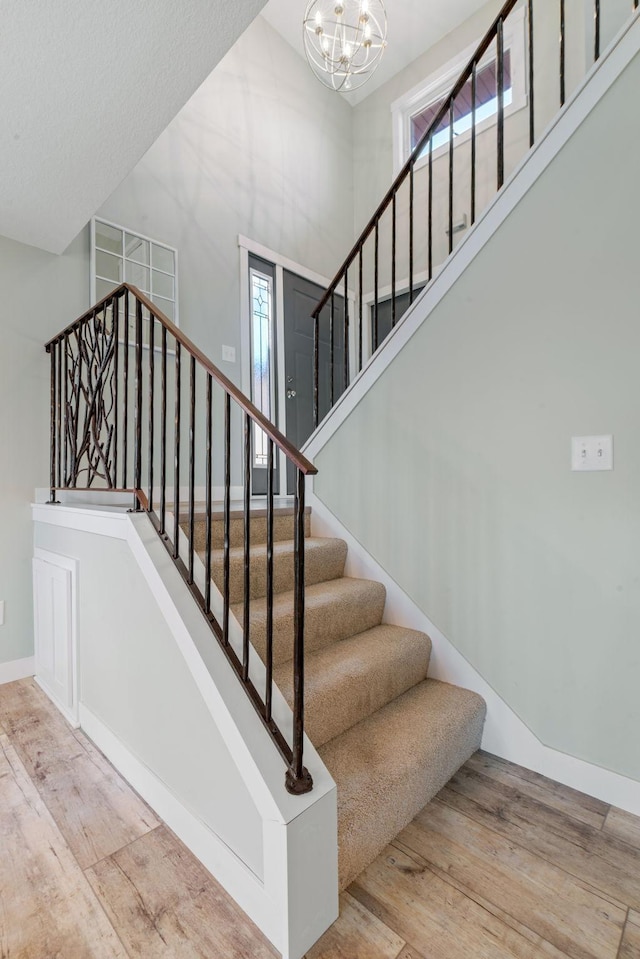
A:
x,y
344,40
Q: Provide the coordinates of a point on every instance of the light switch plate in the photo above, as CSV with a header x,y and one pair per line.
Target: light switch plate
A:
x,y
229,354
1,612
590,453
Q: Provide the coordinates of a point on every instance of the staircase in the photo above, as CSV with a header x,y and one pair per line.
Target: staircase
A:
x,y
390,737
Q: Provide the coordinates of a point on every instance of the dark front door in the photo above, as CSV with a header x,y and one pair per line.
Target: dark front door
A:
x,y
300,299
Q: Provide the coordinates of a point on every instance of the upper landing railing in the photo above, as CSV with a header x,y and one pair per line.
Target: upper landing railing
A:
x,y
447,179
116,373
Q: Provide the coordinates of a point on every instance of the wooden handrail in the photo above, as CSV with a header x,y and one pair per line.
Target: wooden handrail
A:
x,y
480,51
281,441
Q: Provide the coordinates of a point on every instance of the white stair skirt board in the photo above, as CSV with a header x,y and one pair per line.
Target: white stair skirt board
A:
x,y
505,734
17,669
596,83
291,904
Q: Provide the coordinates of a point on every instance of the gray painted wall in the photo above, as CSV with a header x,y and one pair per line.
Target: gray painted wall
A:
x,y
453,471
261,149
41,293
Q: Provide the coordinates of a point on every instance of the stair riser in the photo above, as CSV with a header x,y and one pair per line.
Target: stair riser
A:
x,y
391,764
321,564
283,529
323,624
348,683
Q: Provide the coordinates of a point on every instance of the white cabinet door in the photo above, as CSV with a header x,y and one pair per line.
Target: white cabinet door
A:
x,y
54,634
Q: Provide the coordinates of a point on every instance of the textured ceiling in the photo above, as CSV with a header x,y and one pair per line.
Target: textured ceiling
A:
x,y
87,87
414,26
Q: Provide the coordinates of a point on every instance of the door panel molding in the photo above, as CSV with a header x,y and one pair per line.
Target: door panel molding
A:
x,y
55,628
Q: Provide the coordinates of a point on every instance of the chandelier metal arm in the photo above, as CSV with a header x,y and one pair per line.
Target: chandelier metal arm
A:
x,y
344,40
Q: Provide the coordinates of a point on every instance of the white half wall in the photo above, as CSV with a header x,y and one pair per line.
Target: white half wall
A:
x,y
158,696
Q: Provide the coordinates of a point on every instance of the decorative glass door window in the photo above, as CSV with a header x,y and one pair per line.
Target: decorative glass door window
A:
x,y
119,255
262,366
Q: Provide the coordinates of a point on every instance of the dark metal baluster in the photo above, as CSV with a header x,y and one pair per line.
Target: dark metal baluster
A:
x,y
596,30
474,96
163,434
298,779
430,213
176,459
451,119
152,383
360,310
316,369
116,373
269,644
247,547
125,390
137,481
562,53
531,75
331,348
500,82
207,509
411,233
65,394
52,475
346,329
59,364
227,516
192,461
376,284
394,214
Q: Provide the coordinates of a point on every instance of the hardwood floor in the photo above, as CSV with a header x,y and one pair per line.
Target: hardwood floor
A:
x,y
502,864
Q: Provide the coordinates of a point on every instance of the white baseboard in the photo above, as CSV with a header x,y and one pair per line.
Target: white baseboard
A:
x,y
233,874
505,734
69,714
17,669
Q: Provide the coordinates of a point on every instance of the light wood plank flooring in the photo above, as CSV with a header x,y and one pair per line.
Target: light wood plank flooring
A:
x,y
502,864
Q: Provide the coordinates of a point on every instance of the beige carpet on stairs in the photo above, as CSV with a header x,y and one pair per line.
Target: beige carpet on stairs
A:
x,y
390,737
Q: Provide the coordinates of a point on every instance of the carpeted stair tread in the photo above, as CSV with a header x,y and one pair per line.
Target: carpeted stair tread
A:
x,y
350,680
392,763
324,560
334,610
283,528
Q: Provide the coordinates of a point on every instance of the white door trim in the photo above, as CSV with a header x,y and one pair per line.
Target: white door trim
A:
x,y
281,263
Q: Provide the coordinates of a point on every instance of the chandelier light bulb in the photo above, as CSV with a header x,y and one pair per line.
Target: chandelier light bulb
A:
x,y
344,40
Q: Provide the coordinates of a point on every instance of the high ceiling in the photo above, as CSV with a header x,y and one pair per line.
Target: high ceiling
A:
x,y
87,87
414,26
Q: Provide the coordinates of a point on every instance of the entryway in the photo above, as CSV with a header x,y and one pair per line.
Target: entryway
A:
x,y
278,351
